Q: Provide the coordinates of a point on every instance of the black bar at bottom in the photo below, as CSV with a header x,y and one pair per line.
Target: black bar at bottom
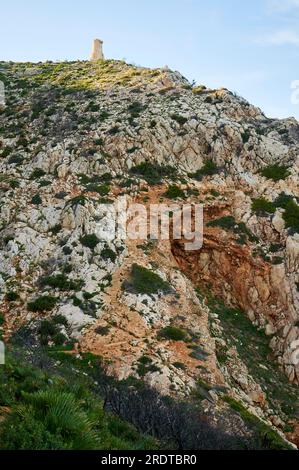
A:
x,y
139,459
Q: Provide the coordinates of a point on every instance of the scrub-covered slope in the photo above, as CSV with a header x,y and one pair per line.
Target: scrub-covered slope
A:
x,y
221,322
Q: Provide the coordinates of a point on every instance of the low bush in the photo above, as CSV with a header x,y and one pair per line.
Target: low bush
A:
x,y
198,353
56,229
16,160
174,192
61,282
275,172
103,189
36,200
90,241
102,330
37,173
152,173
63,413
262,207
42,304
245,136
229,223
282,200
135,109
145,365
179,119
209,169
266,436
144,281
11,296
172,333
291,216
108,254
6,151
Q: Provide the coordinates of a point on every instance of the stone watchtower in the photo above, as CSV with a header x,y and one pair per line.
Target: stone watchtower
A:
x,y
97,50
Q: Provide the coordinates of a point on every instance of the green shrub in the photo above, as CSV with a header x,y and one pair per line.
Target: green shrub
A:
x,y
172,333
11,296
57,422
135,109
209,169
99,141
246,136
59,339
275,247
59,320
42,304
262,207
14,184
145,365
92,107
114,130
132,150
36,200
67,250
5,152
229,223
37,108
144,281
179,365
61,282
102,330
277,260
108,254
61,195
48,328
56,229
152,173
198,353
16,160
23,431
78,200
58,407
37,173
90,241
275,172
291,216
179,119
269,439
174,192
282,200
103,189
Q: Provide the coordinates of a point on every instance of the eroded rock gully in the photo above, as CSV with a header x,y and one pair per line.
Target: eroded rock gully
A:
x,y
235,273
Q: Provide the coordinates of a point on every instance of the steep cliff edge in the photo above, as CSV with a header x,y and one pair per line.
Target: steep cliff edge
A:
x,y
74,137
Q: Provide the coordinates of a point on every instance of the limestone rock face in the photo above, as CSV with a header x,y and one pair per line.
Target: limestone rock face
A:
x,y
78,137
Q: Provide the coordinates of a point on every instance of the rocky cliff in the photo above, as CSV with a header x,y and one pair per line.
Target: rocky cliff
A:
x,y
223,320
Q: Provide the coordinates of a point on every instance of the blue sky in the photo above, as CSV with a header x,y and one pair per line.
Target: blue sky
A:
x,y
248,46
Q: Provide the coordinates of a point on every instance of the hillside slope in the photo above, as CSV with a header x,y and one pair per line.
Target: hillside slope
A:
x,y
221,322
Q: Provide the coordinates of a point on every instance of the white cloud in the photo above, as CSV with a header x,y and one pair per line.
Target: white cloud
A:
x,y
280,38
